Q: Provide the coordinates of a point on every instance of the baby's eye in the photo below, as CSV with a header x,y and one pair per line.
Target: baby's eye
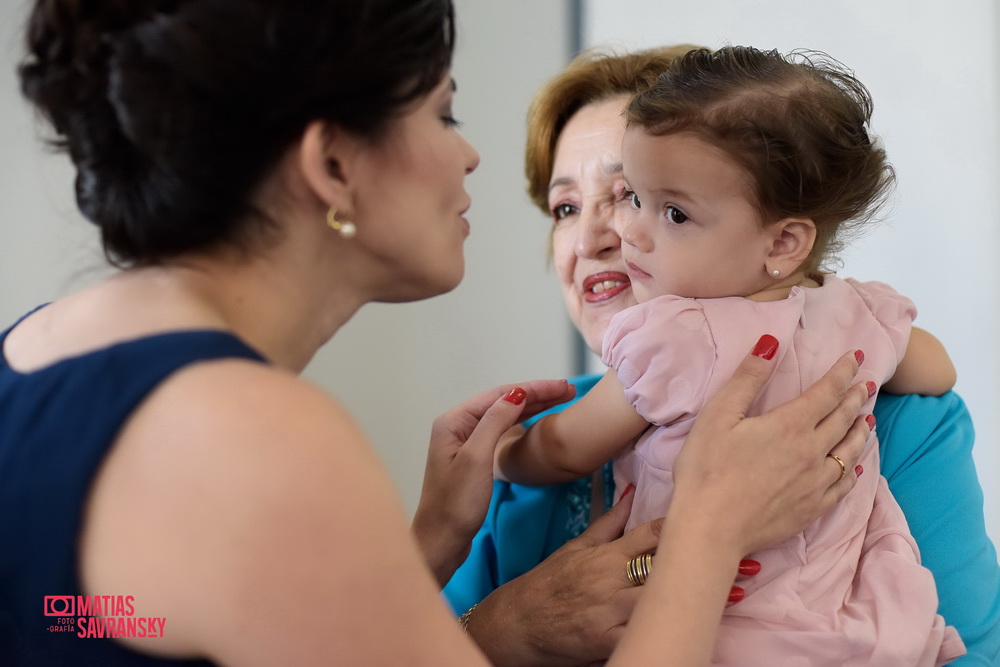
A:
x,y
563,211
634,198
676,216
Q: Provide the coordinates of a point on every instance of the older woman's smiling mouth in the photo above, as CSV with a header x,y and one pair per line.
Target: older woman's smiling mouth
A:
x,y
605,285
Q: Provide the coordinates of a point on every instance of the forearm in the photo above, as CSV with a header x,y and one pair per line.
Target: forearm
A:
x,y
572,608
537,457
676,621
925,369
573,443
495,625
443,549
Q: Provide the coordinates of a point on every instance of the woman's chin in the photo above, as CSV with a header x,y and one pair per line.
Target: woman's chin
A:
x,y
426,288
595,320
592,329
452,281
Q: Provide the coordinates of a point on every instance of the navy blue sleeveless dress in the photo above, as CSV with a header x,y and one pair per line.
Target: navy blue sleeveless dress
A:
x,y
56,426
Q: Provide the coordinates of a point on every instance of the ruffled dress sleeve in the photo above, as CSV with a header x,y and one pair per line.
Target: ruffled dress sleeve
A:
x,y
893,311
665,355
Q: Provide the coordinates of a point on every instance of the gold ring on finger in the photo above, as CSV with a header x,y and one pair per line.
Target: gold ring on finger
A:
x,y
843,468
638,568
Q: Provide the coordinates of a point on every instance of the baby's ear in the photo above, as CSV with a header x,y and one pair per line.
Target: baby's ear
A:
x,y
793,240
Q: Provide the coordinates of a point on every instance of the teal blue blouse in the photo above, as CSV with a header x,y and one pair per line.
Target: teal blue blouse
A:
x,y
926,450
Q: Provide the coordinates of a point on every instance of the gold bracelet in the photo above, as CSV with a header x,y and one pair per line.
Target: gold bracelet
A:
x,y
463,620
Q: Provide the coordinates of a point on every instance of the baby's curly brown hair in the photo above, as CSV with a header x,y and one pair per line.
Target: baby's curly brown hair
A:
x,y
796,123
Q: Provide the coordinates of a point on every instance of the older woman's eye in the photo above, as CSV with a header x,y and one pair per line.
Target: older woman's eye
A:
x,y
676,216
563,211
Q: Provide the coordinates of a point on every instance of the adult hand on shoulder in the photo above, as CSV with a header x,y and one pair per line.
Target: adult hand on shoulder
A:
x,y
458,480
766,478
741,484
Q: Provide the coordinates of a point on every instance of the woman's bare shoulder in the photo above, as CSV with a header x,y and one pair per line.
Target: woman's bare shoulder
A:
x,y
228,412
243,401
241,501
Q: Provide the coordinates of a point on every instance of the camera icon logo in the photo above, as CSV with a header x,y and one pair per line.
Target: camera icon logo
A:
x,y
60,605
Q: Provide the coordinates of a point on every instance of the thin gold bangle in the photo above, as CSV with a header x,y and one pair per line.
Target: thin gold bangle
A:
x,y
463,620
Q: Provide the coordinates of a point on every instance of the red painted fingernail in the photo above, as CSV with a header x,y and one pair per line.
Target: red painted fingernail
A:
x,y
870,420
860,356
858,470
628,489
766,347
736,594
516,396
749,567
871,387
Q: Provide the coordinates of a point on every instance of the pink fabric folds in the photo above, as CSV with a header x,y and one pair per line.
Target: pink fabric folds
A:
x,y
849,590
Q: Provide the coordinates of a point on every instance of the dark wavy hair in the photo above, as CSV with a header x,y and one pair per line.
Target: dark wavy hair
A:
x,y
174,111
798,125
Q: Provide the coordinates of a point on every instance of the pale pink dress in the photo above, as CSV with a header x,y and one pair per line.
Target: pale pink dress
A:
x,y
849,590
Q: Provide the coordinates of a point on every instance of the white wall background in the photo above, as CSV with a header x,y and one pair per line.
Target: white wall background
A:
x,y
934,72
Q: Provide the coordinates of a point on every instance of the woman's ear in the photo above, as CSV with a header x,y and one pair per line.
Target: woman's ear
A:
x,y
326,162
792,241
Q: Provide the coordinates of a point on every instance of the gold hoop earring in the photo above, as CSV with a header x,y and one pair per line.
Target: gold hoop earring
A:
x,y
346,229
